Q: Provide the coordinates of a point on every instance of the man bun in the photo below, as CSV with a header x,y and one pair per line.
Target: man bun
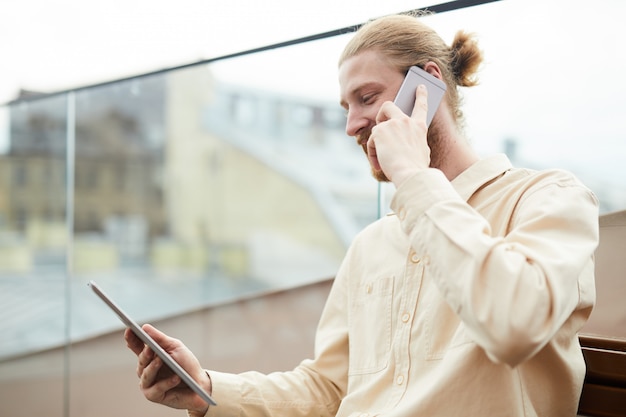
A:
x,y
466,58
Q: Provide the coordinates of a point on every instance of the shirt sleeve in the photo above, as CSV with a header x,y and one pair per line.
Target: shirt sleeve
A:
x,y
513,292
315,387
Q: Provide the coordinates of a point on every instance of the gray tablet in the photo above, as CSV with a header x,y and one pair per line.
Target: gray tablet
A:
x,y
145,337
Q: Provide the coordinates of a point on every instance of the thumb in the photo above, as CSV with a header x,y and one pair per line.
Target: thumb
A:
x,y
161,338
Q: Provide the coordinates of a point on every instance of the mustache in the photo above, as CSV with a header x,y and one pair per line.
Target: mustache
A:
x,y
362,138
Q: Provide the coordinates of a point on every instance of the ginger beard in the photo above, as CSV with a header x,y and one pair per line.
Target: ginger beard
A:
x,y
435,143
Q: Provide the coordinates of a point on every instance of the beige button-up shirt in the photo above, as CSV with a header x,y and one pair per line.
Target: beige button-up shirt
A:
x,y
465,302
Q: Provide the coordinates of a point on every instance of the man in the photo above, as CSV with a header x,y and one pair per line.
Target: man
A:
x,y
466,301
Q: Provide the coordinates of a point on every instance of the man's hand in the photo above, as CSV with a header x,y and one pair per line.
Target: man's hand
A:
x,y
158,383
398,144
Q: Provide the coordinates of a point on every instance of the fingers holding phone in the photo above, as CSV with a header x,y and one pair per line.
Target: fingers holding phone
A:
x,y
397,144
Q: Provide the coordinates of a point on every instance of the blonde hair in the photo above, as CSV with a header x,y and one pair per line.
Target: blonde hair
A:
x,y
406,41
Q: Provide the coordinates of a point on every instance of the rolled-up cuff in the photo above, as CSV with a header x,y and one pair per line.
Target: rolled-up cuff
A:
x,y
226,393
193,414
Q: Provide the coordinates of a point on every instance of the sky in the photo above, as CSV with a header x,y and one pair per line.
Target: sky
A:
x,y
50,45
552,77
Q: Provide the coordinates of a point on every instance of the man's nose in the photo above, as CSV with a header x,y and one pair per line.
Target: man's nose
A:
x,y
355,123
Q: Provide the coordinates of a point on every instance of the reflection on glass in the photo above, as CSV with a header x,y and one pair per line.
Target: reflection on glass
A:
x,y
119,152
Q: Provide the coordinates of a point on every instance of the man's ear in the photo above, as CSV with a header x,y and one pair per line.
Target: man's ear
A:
x,y
433,69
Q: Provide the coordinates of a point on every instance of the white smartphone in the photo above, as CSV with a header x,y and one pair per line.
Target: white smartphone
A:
x,y
158,350
405,99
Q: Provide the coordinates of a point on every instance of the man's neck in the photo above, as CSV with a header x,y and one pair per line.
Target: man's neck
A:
x,y
459,155
450,150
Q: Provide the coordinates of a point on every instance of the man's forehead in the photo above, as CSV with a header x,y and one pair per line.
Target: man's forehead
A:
x,y
364,70
358,68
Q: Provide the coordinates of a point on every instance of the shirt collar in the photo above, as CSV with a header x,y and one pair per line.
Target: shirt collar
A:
x,y
480,173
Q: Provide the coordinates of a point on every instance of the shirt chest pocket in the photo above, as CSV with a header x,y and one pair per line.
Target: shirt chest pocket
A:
x,y
370,326
443,330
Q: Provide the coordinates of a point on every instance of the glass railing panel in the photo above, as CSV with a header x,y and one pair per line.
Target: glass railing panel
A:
x,y
192,189
33,246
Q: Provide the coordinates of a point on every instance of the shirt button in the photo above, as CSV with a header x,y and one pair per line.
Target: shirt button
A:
x,y
414,258
400,380
406,317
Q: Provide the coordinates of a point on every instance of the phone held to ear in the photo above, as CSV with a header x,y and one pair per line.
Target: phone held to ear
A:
x,y
405,99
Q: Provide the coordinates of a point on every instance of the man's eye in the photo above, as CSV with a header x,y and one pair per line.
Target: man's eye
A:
x,y
368,99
